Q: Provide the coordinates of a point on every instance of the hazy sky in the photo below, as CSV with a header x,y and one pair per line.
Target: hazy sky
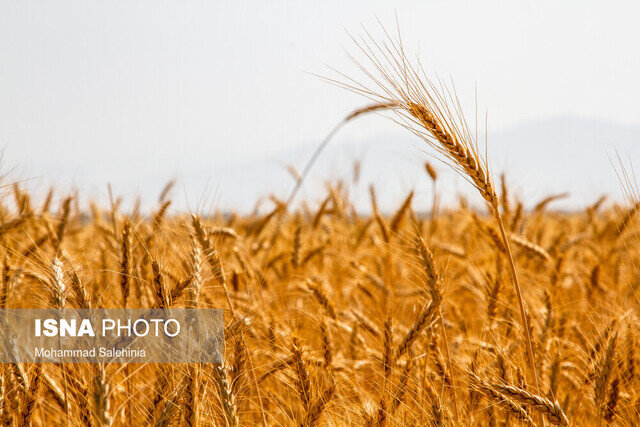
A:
x,y
93,89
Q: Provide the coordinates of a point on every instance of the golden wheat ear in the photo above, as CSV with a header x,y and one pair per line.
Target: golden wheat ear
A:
x,y
435,115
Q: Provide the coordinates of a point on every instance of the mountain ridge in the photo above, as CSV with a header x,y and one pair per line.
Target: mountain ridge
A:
x,y
540,157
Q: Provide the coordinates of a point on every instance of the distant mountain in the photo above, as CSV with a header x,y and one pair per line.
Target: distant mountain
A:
x,y
556,155
567,154
559,154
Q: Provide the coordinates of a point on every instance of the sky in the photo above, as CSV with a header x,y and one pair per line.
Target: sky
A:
x,y
126,92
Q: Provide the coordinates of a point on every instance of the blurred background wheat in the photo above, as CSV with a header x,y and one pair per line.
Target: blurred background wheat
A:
x,y
335,318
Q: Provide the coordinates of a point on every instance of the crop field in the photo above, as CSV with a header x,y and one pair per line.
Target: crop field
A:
x,y
334,318
513,313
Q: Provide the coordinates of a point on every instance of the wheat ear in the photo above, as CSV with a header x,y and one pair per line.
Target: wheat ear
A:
x,y
552,410
315,411
435,116
227,398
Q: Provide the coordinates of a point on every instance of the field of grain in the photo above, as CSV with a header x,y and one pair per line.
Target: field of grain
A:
x,y
333,318
499,315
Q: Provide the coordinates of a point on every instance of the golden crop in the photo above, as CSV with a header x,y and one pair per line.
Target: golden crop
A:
x,y
460,317
336,318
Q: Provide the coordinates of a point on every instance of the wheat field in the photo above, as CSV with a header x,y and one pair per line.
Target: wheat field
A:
x,y
333,318
499,315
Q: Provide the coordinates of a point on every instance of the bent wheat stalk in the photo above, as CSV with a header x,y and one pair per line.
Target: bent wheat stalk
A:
x,y
307,168
435,115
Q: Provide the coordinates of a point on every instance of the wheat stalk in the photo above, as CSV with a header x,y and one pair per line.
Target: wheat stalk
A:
x,y
435,116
